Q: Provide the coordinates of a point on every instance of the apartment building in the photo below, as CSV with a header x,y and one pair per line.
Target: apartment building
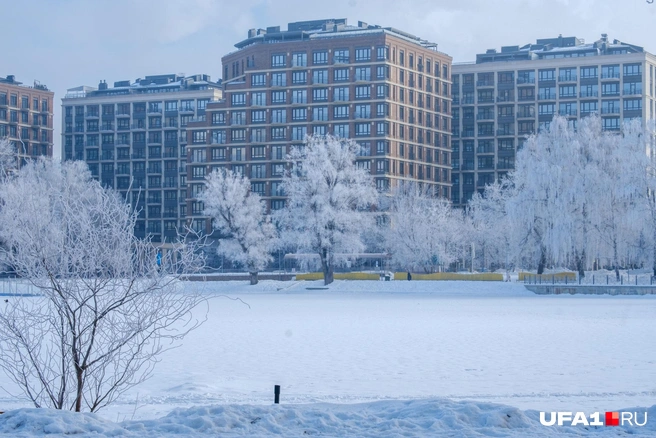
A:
x,y
26,117
133,138
507,95
385,88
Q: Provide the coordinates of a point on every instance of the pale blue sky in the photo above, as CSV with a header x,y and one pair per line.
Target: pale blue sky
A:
x,y
67,43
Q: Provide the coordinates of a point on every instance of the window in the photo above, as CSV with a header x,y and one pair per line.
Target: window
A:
x,y
258,99
362,54
258,135
588,107
632,69
382,109
589,90
218,154
238,99
382,72
547,75
320,113
258,80
567,91
320,76
589,72
201,104
278,153
258,116
299,96
341,56
320,57
299,133
526,77
237,117
546,93
278,79
382,91
610,71
278,97
382,53
299,114
258,187
546,109
632,88
319,130
299,77
320,95
218,118
610,89
363,73
278,60
610,107
277,169
299,59
199,136
279,116
567,74
238,154
363,129
258,171
362,111
382,128
610,123
341,94
238,135
279,133
341,112
341,74
633,105
363,92
342,130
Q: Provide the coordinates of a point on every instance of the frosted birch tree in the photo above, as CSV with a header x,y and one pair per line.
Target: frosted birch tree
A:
x,y
425,231
328,202
248,236
105,310
8,158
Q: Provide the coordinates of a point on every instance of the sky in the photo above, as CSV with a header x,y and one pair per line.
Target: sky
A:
x,y
68,43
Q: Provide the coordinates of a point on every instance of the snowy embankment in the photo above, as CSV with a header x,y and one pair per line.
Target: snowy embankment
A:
x,y
365,358
412,418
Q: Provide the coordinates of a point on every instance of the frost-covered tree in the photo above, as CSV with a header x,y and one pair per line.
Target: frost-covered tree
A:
x,y
328,201
239,215
8,158
425,231
105,310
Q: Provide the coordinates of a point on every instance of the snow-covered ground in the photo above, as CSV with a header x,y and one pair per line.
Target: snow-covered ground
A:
x,y
453,352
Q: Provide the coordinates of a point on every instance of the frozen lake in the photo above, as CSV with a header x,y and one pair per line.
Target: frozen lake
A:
x,y
367,340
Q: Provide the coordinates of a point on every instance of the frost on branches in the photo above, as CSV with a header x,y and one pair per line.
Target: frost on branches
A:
x,y
105,310
239,215
425,231
329,199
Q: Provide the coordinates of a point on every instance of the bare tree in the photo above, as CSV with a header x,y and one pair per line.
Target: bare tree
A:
x,y
106,308
239,215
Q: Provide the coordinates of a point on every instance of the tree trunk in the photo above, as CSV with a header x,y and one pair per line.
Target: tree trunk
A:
x,y
543,260
79,375
253,277
580,263
327,268
654,242
616,260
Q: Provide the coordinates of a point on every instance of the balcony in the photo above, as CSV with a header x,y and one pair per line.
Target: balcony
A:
x,y
567,78
589,94
506,132
92,115
610,110
525,115
139,126
485,83
610,75
154,111
526,98
485,116
505,98
525,81
186,109
486,133
547,96
121,113
487,99
632,92
506,118
568,112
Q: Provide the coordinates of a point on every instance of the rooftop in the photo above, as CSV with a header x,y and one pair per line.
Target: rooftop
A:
x,y
149,84
326,28
11,80
559,47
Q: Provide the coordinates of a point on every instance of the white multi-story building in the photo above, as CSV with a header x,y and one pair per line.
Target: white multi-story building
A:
x,y
505,96
133,138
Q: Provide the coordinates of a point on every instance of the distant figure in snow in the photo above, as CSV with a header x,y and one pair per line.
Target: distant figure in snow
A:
x,y
507,276
409,276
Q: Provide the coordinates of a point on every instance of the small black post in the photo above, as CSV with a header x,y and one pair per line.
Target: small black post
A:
x,y
276,393
606,279
636,279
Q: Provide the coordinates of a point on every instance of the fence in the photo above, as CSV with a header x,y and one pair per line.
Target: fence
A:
x,y
590,279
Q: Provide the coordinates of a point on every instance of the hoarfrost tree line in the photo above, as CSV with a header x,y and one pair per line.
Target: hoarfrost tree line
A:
x,y
104,308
